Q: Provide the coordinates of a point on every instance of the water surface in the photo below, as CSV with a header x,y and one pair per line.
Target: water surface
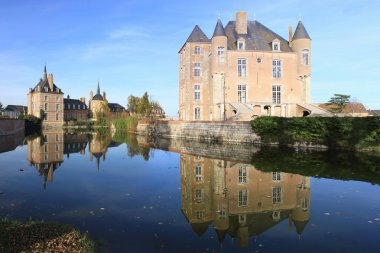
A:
x,y
135,195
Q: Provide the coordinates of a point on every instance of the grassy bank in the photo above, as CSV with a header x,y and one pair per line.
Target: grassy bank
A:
x,y
128,124
334,132
42,237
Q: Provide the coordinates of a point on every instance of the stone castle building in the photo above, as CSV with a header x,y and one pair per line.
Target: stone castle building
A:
x,y
245,70
239,200
47,99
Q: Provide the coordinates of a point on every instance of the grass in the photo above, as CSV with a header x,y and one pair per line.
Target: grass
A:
x,y
36,236
128,124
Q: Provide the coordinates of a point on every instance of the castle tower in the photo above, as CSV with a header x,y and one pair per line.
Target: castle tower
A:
x,y
301,44
218,70
301,214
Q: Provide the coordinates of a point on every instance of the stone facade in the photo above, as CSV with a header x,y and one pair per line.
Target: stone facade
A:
x,y
98,103
245,70
75,109
11,126
46,97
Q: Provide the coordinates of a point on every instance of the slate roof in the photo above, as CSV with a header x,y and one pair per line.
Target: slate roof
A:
x,y
44,84
197,35
76,102
115,107
219,29
301,32
16,108
97,95
258,37
349,107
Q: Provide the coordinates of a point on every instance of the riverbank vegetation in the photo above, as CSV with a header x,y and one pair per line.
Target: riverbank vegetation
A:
x,y
128,124
350,133
32,124
33,236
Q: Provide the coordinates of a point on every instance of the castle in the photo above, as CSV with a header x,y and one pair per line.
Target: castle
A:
x,y
47,101
245,70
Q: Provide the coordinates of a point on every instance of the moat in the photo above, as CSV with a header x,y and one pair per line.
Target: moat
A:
x,y
132,194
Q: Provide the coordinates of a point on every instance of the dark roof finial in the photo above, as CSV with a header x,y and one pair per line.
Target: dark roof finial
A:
x,y
98,90
45,74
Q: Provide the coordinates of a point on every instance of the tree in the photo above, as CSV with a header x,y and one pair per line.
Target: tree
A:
x,y
133,103
338,101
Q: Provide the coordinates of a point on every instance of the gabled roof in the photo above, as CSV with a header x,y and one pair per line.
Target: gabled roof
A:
x,y
258,37
374,112
197,35
219,29
16,108
300,32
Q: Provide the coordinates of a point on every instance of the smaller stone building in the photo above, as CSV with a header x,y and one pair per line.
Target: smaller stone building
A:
x,y
46,99
75,109
98,103
14,111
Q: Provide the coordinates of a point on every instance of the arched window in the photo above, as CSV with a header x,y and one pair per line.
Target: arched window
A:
x,y
305,57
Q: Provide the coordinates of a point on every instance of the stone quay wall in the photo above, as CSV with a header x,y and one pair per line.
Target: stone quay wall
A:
x,y
11,126
214,131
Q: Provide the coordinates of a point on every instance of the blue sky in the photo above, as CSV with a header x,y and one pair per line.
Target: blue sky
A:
x,y
132,46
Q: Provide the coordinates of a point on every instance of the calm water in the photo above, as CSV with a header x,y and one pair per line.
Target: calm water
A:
x,y
132,195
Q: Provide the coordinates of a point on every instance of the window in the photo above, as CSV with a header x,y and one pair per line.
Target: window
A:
x,y
242,93
276,45
46,116
220,52
304,204
197,113
197,69
45,148
305,57
57,107
56,137
276,176
199,215
242,219
57,98
197,92
276,94
276,68
242,67
56,148
222,212
45,107
276,195
198,173
197,50
241,45
243,198
242,174
45,98
198,195
57,117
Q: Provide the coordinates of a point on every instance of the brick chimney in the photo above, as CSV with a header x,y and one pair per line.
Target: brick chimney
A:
x,y
290,35
241,23
91,94
104,95
51,82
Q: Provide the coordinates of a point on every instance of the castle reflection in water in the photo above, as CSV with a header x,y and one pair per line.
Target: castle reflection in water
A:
x,y
46,152
239,200
232,196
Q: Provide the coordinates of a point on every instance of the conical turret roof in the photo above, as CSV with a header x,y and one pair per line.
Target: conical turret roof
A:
x,y
301,32
219,29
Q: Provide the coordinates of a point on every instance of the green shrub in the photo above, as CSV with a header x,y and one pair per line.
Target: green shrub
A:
x,y
335,132
32,124
128,124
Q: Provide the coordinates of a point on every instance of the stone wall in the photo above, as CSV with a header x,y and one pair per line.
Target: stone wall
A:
x,y
9,126
239,132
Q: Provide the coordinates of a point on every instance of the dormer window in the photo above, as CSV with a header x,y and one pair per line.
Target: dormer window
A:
x,y
305,57
276,45
241,45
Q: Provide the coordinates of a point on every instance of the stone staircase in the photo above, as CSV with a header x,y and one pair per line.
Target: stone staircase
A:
x,y
316,110
244,112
